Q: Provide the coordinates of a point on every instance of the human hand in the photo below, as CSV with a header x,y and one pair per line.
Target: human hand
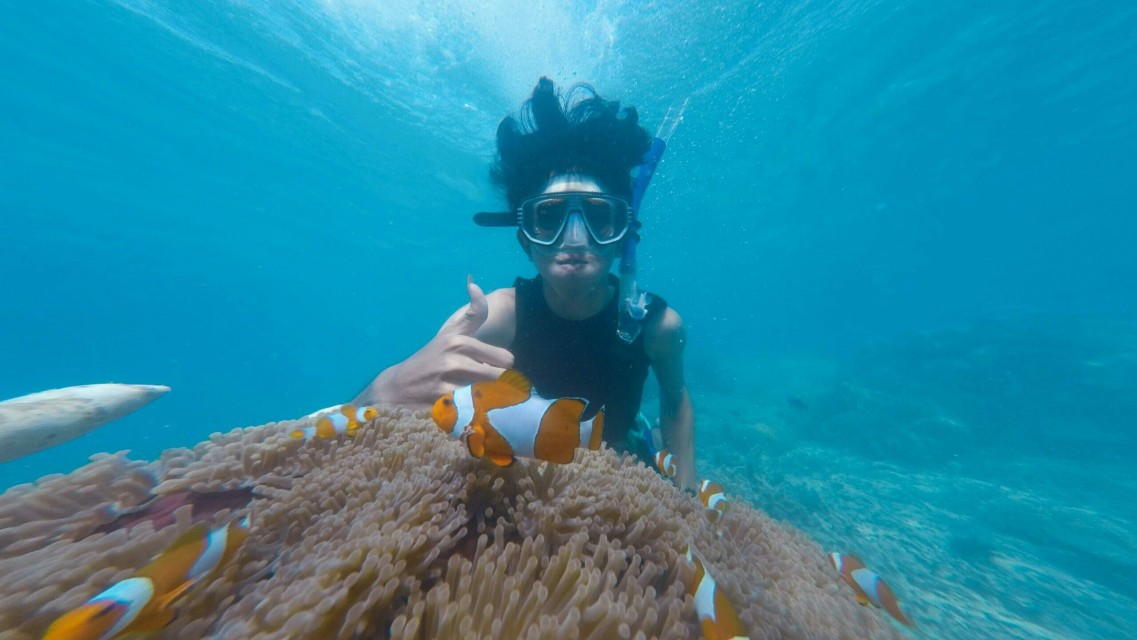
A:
x,y
454,357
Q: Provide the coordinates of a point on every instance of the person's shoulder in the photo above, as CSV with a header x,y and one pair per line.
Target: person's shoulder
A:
x,y
502,298
664,334
501,323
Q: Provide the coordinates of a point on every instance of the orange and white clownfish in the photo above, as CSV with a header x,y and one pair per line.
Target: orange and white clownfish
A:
x,y
346,420
665,463
143,602
719,619
868,587
712,496
503,419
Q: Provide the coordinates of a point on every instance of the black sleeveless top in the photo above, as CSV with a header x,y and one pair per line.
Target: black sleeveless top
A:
x,y
583,358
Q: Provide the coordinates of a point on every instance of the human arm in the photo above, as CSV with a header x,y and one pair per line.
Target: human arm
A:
x,y
470,346
664,340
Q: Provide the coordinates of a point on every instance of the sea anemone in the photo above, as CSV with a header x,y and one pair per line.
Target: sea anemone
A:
x,y
399,533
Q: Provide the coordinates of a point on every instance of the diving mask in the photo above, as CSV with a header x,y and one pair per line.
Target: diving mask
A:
x,y
543,219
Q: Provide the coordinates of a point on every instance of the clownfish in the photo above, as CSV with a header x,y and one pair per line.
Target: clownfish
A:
x,y
504,418
346,420
719,619
143,602
663,462
712,496
868,587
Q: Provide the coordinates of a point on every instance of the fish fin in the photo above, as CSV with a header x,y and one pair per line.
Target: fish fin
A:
x,y
597,430
861,599
172,595
494,446
517,380
891,604
501,460
297,433
512,388
166,570
476,442
900,616
194,534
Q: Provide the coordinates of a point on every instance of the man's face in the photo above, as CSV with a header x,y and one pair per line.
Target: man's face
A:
x,y
575,258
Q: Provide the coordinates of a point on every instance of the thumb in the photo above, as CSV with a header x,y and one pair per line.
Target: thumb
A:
x,y
470,320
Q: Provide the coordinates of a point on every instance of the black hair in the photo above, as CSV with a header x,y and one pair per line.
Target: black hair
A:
x,y
583,133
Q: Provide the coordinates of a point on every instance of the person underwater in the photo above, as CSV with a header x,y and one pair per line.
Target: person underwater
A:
x,y
144,602
502,419
565,170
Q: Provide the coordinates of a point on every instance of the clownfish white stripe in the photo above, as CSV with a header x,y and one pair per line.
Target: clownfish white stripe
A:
x,y
705,595
134,594
464,405
515,424
215,544
714,500
837,559
211,555
867,581
339,422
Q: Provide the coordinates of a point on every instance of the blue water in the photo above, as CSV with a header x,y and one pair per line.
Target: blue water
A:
x,y
914,219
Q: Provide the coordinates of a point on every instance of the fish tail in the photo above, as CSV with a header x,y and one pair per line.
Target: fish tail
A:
x,y
595,426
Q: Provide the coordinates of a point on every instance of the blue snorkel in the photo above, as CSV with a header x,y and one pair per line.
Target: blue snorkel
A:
x,y
633,302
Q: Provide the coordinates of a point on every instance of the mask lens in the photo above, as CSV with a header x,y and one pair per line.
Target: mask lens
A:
x,y
605,217
544,218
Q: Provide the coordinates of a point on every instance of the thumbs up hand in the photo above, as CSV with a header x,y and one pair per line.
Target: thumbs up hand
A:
x,y
454,357
471,317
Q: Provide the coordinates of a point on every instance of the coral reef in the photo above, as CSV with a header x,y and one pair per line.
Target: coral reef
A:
x,y
399,533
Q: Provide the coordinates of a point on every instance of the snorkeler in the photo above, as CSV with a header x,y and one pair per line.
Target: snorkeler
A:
x,y
566,172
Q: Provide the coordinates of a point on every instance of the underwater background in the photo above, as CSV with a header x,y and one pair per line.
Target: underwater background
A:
x,y
900,235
